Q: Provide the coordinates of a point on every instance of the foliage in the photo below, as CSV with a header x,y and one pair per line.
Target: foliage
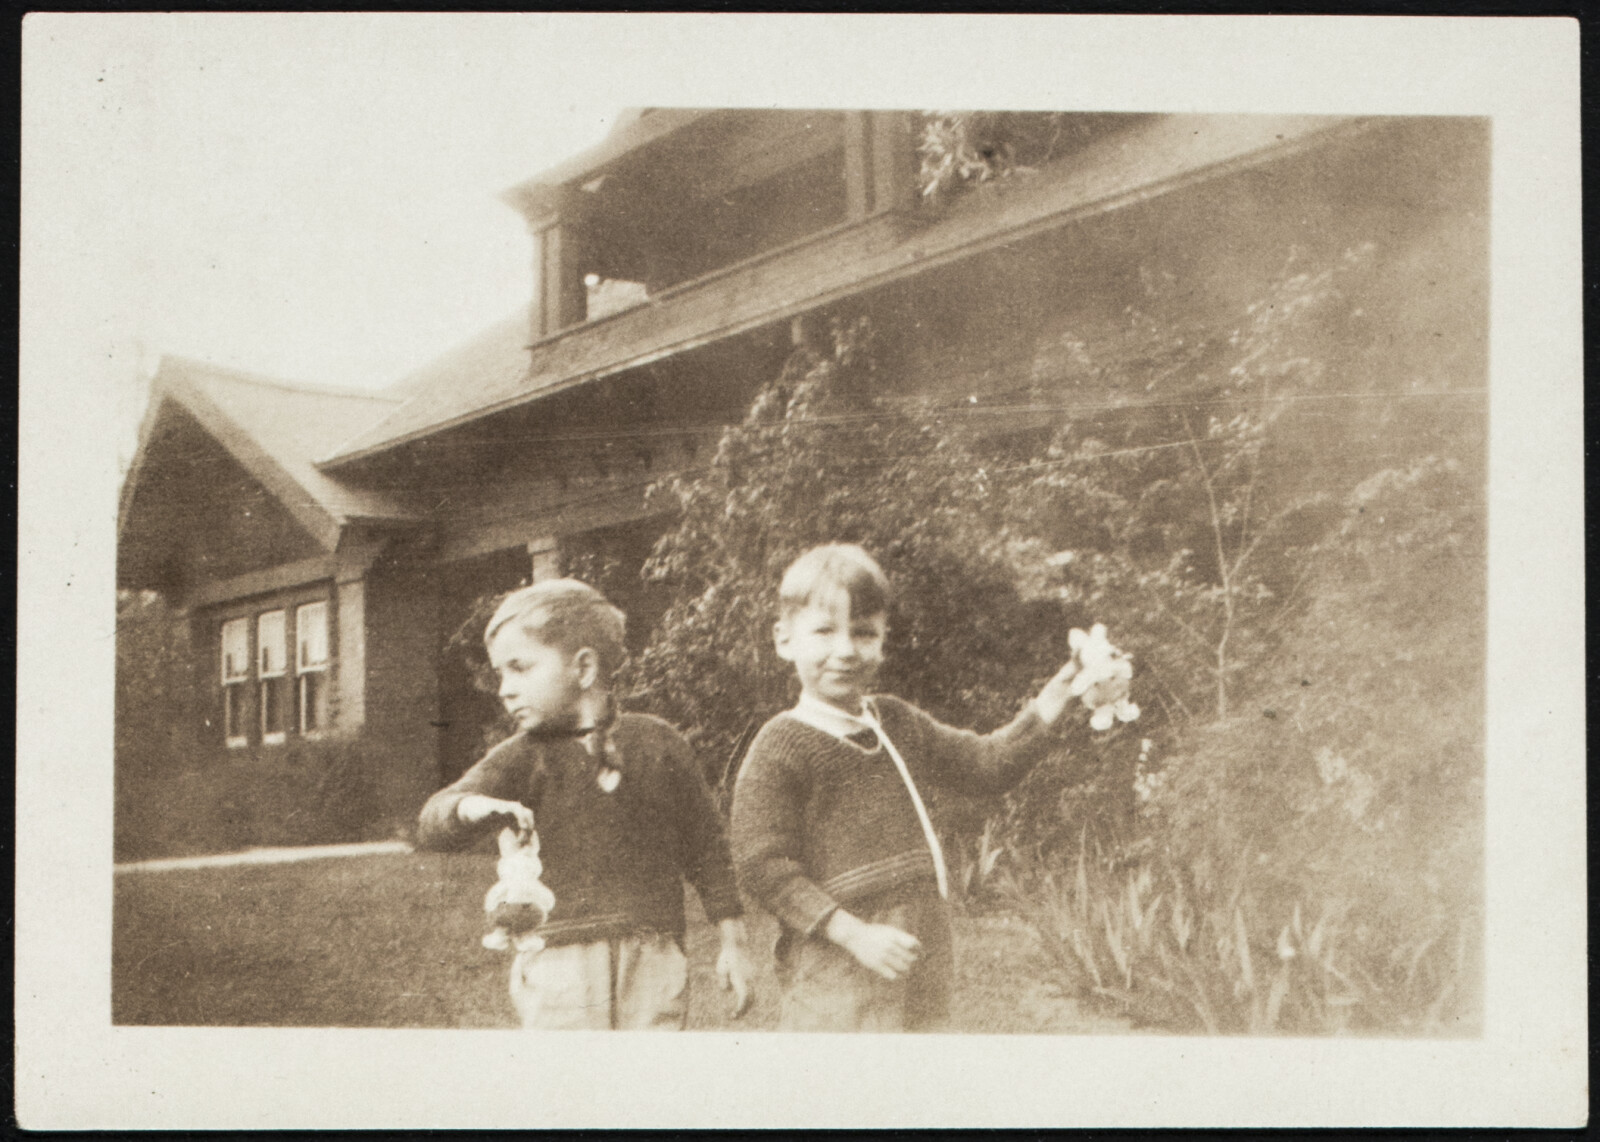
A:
x,y
1306,658
1264,895
299,793
1186,521
821,458
154,675
1186,517
1304,636
958,149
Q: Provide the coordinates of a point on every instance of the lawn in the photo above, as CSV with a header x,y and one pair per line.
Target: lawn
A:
x,y
392,941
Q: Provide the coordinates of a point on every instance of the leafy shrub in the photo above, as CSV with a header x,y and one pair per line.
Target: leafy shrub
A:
x,y
300,793
821,458
1289,839
959,149
1313,864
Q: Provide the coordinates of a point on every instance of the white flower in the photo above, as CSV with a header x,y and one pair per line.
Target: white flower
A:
x,y
1102,679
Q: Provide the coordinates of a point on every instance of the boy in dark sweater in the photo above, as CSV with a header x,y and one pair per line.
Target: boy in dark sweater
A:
x,y
623,815
830,833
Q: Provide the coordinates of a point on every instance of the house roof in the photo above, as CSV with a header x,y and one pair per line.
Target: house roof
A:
x,y
634,128
496,360
500,369
276,430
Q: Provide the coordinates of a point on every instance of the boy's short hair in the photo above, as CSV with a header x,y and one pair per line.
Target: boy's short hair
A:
x,y
845,566
567,614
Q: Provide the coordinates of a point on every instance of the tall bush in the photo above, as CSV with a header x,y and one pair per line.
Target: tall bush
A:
x,y
1313,863
1309,640
820,458
1289,838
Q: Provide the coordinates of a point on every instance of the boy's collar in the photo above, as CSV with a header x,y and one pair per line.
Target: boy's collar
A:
x,y
830,719
591,735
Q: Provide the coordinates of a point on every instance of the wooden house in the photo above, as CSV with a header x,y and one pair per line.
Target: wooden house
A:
x,y
320,546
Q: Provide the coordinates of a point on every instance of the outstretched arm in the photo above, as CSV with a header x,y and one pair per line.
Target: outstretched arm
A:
x,y
487,794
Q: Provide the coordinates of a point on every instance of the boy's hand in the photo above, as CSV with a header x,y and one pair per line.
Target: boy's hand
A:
x,y
475,808
1057,693
881,948
733,966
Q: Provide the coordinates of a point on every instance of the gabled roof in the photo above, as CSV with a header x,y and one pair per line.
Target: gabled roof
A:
x,y
495,360
275,430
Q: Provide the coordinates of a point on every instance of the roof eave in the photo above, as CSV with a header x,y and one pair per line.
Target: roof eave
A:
x,y
539,195
130,480
323,524
1334,127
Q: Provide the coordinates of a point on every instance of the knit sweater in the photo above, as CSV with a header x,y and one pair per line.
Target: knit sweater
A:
x,y
615,861
819,822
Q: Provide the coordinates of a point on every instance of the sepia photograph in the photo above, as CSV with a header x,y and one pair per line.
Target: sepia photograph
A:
x,y
1013,588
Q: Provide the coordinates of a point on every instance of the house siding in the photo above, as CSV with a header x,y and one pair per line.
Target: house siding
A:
x,y
400,731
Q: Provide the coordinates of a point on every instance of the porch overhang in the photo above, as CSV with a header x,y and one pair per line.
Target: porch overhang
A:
x,y
1148,160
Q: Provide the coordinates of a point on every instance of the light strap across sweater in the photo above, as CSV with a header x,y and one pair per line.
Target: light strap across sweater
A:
x,y
838,723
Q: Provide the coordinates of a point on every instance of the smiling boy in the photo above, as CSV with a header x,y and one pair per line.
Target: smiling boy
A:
x,y
623,815
830,832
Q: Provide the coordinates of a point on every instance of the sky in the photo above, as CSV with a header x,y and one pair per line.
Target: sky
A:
x,y
313,196
314,199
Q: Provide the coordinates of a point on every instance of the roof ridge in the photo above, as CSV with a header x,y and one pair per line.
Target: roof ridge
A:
x,y
241,376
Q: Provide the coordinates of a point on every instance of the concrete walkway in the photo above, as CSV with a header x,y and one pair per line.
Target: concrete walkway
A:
x,y
265,856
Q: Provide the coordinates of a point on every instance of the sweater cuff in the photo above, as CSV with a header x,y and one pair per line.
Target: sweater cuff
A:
x,y
803,906
438,827
1029,731
722,904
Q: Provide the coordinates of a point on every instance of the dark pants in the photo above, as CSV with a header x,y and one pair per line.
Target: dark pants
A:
x,y
825,989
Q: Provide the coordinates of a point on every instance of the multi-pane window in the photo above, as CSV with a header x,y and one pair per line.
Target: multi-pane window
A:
x,y
272,669
235,676
311,665
275,670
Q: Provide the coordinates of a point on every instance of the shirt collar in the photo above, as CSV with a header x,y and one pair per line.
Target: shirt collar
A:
x,y
830,719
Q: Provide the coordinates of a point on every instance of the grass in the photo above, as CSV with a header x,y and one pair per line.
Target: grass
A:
x,y
392,941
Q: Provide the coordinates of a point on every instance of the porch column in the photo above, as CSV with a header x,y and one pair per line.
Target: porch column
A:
x,y
563,294
544,558
857,164
894,161
560,297
350,666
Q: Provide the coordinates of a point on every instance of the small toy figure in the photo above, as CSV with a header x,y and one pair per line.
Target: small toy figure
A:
x,y
519,901
1103,677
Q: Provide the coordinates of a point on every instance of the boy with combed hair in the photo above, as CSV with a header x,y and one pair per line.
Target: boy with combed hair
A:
x,y
623,816
830,832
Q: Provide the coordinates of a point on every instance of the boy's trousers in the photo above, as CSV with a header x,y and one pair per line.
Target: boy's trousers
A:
x,y
826,989
631,983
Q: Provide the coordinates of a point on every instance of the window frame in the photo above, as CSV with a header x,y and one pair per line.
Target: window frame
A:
x,y
273,681
311,676
234,714
266,691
